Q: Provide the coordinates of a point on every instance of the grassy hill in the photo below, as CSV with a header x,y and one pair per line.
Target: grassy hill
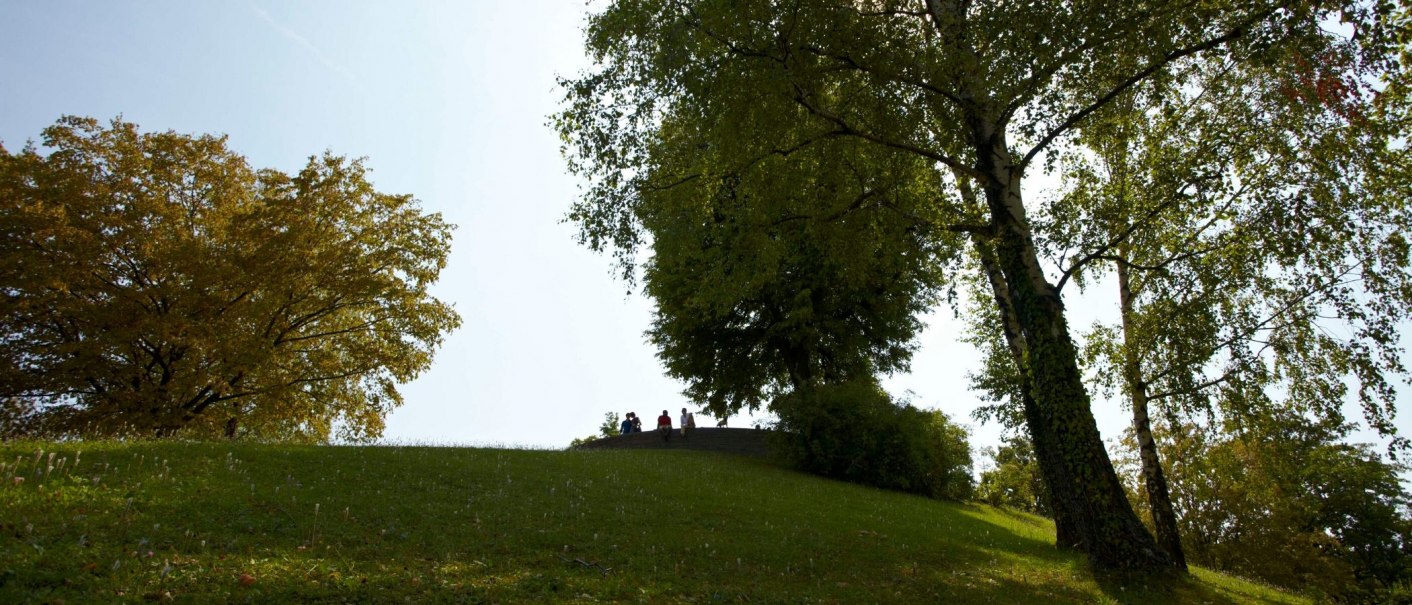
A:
x,y
215,522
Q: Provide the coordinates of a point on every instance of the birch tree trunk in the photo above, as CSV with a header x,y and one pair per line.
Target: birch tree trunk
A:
x,y
1159,500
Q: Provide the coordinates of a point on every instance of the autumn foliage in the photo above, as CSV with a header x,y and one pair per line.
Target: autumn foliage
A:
x,y
157,284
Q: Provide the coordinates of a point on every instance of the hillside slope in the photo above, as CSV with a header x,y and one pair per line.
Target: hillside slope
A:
x,y
242,522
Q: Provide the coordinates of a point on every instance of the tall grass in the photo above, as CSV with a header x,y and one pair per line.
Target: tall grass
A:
x,y
211,522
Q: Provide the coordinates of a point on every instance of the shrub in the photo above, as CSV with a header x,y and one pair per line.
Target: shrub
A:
x,y
854,431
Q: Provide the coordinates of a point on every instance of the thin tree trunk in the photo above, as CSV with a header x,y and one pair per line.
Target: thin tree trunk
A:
x,y
1159,500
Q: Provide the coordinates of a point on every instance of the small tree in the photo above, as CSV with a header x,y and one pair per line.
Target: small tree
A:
x,y
611,427
1015,481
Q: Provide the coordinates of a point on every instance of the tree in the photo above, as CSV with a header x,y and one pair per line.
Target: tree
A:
x,y
982,90
610,427
1189,192
1285,499
995,330
1014,481
156,284
764,286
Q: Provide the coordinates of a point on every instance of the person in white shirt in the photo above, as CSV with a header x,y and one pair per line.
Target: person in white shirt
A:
x,y
688,421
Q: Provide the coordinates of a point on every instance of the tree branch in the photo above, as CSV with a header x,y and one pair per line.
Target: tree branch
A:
x,y
1102,251
1122,86
1279,313
846,129
360,327
849,62
1194,388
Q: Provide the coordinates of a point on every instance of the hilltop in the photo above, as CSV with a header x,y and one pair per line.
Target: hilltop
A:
x,y
219,522
746,442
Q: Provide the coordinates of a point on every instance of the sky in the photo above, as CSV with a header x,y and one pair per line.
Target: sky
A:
x,y
449,101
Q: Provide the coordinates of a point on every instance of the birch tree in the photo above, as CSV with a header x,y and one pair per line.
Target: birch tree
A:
x,y
981,92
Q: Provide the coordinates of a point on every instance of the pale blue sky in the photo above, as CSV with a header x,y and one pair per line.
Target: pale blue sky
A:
x,y
449,102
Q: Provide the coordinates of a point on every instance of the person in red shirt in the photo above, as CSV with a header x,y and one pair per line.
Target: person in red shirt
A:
x,y
664,425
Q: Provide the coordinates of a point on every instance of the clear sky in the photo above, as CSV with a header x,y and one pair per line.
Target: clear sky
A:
x,y
449,102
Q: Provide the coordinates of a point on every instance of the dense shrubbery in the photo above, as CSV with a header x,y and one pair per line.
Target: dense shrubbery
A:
x,y
856,432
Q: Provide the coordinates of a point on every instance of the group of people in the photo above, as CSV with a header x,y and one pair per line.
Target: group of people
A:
x,y
633,424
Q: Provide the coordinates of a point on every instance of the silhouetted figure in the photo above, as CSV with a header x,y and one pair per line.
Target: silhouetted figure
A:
x,y
627,425
664,425
636,422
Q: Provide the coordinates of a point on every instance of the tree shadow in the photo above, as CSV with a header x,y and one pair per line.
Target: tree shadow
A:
x,y
448,525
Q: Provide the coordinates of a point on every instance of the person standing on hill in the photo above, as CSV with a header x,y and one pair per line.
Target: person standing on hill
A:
x,y
688,421
664,425
627,425
636,422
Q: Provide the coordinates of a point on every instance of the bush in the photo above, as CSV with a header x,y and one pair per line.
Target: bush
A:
x,y
854,431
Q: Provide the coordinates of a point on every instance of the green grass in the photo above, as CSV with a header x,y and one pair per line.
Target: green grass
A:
x,y
215,522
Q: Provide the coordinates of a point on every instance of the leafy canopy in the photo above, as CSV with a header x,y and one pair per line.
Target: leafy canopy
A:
x,y
764,284
156,283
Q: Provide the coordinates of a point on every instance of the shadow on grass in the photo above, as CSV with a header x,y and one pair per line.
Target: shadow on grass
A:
x,y
224,523
1176,587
